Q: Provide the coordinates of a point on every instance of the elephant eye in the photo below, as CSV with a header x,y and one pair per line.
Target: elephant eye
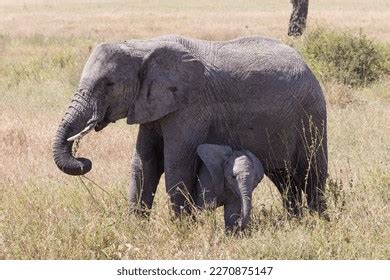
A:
x,y
109,83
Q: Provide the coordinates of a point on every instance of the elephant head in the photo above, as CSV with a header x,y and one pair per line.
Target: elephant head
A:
x,y
234,175
140,80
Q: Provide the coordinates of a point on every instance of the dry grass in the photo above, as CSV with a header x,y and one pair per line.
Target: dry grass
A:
x,y
220,19
45,214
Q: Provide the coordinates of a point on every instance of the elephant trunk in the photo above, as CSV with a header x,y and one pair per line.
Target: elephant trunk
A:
x,y
245,193
77,121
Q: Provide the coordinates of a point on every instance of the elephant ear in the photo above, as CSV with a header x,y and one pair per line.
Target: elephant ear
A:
x,y
259,169
214,157
170,79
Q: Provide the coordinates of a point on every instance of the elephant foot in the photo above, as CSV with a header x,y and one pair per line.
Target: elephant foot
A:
x,y
139,211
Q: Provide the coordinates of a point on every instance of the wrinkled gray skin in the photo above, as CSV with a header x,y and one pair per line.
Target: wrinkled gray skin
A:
x,y
251,94
228,178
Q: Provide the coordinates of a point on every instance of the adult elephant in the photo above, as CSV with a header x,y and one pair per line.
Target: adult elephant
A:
x,y
250,93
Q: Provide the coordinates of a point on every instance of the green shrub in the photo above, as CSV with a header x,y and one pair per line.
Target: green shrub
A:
x,y
353,60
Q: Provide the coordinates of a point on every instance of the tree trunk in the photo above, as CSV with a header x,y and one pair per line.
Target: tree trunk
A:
x,y
298,17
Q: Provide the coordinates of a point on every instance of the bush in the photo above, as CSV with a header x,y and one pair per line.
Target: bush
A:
x,y
353,60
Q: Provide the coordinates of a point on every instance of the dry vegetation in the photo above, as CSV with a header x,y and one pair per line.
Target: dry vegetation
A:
x,y
45,214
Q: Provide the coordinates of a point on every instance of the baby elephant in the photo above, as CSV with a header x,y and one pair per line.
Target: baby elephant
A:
x,y
228,178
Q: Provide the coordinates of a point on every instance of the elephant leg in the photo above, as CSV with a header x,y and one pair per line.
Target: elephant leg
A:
x,y
181,138
232,213
147,167
313,167
180,188
290,192
312,178
180,178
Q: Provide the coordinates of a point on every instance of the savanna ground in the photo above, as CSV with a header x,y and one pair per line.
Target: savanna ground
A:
x,y
45,214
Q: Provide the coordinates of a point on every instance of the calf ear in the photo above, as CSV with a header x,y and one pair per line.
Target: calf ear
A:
x,y
214,157
259,169
170,79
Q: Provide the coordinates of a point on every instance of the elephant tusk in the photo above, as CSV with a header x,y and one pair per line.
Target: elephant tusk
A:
x,y
83,132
